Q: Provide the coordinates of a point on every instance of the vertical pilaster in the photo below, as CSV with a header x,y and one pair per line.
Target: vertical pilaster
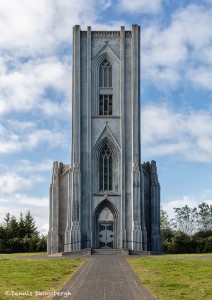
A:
x,y
156,240
135,84
122,126
67,246
143,225
76,96
135,96
76,140
50,208
53,239
89,153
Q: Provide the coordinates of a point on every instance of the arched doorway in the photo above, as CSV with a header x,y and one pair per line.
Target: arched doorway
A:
x,y
106,229
106,226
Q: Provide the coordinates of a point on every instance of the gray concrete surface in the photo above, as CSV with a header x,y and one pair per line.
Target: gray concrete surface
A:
x,y
105,277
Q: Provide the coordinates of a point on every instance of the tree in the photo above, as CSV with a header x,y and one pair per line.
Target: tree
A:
x,y
21,226
6,221
29,225
194,230
204,217
185,219
5,224
2,239
21,235
181,243
9,229
42,243
164,219
13,227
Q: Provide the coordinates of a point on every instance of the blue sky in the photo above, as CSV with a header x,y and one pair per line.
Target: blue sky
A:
x,y
35,94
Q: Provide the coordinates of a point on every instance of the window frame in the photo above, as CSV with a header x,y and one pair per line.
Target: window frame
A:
x,y
105,74
105,169
105,89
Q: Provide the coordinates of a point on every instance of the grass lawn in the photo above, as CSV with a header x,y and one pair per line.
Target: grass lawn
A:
x,y
171,277
27,274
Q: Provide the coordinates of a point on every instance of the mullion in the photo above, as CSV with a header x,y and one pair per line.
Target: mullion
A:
x,y
105,173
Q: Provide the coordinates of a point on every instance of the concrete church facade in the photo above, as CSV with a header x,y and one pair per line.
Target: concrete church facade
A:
x,y
105,198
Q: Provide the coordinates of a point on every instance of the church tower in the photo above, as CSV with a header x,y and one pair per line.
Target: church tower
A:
x,y
105,198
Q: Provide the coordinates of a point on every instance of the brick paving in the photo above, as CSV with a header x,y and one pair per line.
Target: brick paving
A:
x,y
105,277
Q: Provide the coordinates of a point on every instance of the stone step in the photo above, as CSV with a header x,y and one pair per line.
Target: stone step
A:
x,y
82,252
109,252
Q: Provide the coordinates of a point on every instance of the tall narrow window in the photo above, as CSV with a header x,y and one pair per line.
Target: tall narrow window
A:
x,y
105,89
105,105
105,74
105,170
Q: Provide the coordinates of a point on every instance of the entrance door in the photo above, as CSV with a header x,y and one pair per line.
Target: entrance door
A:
x,y
106,235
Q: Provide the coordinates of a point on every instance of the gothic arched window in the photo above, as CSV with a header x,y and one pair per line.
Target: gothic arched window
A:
x,y
105,169
105,74
105,88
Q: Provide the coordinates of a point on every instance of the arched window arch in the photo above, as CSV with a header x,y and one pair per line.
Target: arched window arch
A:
x,y
105,74
105,169
105,88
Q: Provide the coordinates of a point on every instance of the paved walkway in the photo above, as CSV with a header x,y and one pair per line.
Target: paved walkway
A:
x,y
105,278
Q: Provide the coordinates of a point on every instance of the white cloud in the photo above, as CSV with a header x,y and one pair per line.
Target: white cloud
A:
x,y
51,137
43,229
140,6
25,24
207,194
13,182
32,201
105,3
184,136
162,77
70,13
180,202
27,167
22,126
39,26
201,76
25,87
33,35
185,200
174,53
21,203
16,136
194,19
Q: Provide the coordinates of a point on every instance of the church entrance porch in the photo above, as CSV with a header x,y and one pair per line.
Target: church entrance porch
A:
x,y
105,226
106,235
106,229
